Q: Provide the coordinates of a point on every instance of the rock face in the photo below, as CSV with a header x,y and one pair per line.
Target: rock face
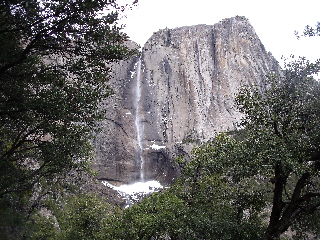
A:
x,y
188,78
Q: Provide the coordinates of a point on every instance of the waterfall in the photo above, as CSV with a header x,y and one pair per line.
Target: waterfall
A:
x,y
139,126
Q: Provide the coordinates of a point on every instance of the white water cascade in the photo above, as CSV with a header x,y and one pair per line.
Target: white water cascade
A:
x,y
139,126
134,192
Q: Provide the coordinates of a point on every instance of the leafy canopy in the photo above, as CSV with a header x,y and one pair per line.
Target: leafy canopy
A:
x,y
53,73
54,70
283,139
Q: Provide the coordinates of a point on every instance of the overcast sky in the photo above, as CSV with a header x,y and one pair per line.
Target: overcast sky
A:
x,y
274,20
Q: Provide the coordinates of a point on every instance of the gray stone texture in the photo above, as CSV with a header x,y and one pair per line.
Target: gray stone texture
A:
x,y
189,77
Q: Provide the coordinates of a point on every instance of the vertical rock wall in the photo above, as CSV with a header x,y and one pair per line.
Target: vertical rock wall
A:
x,y
189,77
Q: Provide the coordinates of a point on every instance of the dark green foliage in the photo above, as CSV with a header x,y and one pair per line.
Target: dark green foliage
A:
x,y
82,217
232,206
202,204
53,74
158,215
11,221
283,142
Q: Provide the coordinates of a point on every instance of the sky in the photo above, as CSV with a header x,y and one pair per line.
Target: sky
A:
x,y
274,21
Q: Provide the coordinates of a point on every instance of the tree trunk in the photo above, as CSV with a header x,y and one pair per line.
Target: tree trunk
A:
x,y
272,232
279,224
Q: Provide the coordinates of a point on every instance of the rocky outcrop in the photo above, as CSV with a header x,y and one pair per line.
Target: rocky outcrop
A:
x,y
188,79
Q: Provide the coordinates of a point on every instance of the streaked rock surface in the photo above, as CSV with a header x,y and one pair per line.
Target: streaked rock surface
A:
x,y
189,77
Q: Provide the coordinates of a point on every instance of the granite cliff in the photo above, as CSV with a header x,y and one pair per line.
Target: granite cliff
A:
x,y
178,93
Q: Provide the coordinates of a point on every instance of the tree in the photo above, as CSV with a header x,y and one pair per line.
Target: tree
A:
x,y
283,133
278,153
158,216
202,204
82,217
54,59
230,205
310,31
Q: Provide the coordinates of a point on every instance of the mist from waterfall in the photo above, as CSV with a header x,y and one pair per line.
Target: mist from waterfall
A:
x,y
139,126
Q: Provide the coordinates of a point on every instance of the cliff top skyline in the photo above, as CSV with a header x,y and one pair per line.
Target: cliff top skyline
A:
x,y
274,21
